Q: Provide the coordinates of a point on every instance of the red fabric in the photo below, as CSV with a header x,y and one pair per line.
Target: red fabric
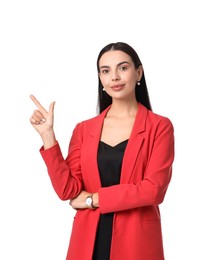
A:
x,y
146,174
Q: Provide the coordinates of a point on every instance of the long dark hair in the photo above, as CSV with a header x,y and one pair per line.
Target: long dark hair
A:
x,y
142,96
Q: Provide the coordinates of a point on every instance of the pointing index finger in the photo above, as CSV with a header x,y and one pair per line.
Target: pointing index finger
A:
x,y
37,103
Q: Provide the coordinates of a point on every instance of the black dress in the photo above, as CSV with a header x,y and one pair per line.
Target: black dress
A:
x,y
109,163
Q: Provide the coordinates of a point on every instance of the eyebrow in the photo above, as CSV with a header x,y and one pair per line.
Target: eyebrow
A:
x,y
117,64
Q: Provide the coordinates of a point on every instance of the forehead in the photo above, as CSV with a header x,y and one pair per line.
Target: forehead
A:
x,y
114,57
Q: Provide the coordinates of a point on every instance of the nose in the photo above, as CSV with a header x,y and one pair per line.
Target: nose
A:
x,y
115,76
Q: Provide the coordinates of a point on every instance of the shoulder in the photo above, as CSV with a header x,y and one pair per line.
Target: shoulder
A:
x,y
162,125
154,120
153,117
157,118
90,122
87,123
91,125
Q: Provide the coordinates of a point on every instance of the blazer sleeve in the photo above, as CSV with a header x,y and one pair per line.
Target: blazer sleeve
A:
x,y
65,174
157,175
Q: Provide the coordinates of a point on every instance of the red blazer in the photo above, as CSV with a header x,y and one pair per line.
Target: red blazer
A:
x,y
145,176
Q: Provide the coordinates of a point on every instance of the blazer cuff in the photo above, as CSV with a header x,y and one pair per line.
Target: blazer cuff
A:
x,y
50,154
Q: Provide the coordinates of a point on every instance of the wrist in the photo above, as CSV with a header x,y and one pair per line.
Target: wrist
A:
x,y
48,139
95,199
89,202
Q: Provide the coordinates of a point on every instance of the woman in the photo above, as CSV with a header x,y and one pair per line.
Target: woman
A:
x,y
118,167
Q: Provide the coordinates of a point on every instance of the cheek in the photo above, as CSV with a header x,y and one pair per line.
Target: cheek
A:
x,y
132,80
104,81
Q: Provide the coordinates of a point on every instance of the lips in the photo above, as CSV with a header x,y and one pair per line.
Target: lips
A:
x,y
117,87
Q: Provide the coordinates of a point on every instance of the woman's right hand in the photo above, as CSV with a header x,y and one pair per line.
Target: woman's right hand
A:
x,y
43,121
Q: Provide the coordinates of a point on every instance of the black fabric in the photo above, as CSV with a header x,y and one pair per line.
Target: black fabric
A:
x,y
109,163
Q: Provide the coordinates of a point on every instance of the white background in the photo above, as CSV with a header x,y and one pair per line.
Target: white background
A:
x,y
49,49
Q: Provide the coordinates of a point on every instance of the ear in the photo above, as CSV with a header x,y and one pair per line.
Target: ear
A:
x,y
140,72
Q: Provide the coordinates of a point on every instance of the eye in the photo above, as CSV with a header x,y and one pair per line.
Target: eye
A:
x,y
105,71
122,68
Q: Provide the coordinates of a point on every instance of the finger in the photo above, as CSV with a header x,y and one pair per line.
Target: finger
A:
x,y
38,114
33,121
37,120
51,108
37,103
70,203
39,117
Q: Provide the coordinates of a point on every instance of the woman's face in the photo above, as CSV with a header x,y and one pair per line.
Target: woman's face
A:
x,y
118,74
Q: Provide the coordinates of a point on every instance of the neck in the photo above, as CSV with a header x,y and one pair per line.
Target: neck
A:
x,y
123,108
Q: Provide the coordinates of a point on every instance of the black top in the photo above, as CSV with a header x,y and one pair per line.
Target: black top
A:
x,y
109,163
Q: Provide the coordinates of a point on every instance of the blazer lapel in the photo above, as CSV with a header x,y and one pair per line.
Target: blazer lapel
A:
x,y
92,149
134,144
132,149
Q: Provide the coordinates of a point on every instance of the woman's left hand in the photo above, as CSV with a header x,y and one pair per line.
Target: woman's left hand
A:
x,y
79,202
